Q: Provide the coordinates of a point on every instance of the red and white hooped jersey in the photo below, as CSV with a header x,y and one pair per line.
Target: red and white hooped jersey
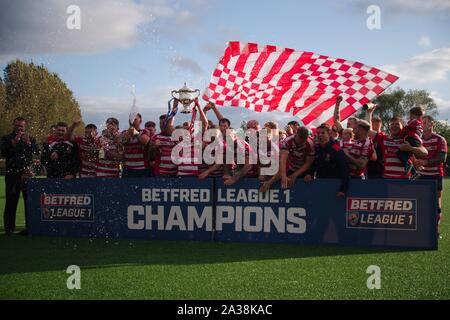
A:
x,y
414,128
392,166
272,153
219,172
108,168
242,151
346,144
87,150
163,163
134,155
434,145
360,148
298,153
190,166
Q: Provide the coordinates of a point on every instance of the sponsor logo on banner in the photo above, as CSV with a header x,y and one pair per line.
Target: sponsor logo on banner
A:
x,y
381,213
67,207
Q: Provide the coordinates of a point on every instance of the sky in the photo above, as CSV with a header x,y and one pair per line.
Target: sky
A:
x,y
157,45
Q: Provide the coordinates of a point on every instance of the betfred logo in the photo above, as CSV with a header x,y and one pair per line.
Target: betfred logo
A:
x,y
381,213
67,207
66,200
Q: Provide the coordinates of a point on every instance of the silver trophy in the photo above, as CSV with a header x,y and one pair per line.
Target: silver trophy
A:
x,y
186,96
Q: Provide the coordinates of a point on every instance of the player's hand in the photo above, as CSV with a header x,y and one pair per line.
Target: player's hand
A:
x,y
17,138
209,106
229,180
264,187
340,194
54,155
406,147
26,139
157,143
292,180
338,99
132,132
371,110
202,175
418,163
285,181
308,178
175,106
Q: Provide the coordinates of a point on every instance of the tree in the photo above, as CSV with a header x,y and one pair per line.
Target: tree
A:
x,y
3,121
442,128
39,96
397,102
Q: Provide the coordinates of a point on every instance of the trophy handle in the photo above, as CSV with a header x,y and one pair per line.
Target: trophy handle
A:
x,y
174,92
198,93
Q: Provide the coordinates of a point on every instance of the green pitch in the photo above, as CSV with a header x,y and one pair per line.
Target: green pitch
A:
x,y
35,268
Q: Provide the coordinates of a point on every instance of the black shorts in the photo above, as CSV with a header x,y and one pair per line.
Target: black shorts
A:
x,y
439,181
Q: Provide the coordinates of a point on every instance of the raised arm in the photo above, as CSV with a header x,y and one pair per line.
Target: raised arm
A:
x,y
69,134
336,116
213,107
203,117
368,118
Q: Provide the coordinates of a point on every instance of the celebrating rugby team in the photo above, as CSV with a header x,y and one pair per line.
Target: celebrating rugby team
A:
x,y
359,151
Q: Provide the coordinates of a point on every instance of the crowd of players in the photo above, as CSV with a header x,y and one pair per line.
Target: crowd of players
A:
x,y
359,151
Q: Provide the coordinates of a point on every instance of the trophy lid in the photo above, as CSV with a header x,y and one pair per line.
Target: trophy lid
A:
x,y
185,88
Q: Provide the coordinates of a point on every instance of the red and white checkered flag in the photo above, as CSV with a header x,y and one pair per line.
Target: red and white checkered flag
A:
x,y
268,78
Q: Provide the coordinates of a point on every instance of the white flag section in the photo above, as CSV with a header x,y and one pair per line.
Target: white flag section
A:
x,y
268,78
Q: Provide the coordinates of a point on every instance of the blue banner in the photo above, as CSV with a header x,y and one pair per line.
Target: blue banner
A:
x,y
381,213
157,208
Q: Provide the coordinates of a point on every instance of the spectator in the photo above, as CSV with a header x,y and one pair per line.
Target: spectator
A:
x,y
18,149
61,156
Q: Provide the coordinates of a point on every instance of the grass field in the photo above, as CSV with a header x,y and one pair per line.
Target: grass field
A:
x,y
35,268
